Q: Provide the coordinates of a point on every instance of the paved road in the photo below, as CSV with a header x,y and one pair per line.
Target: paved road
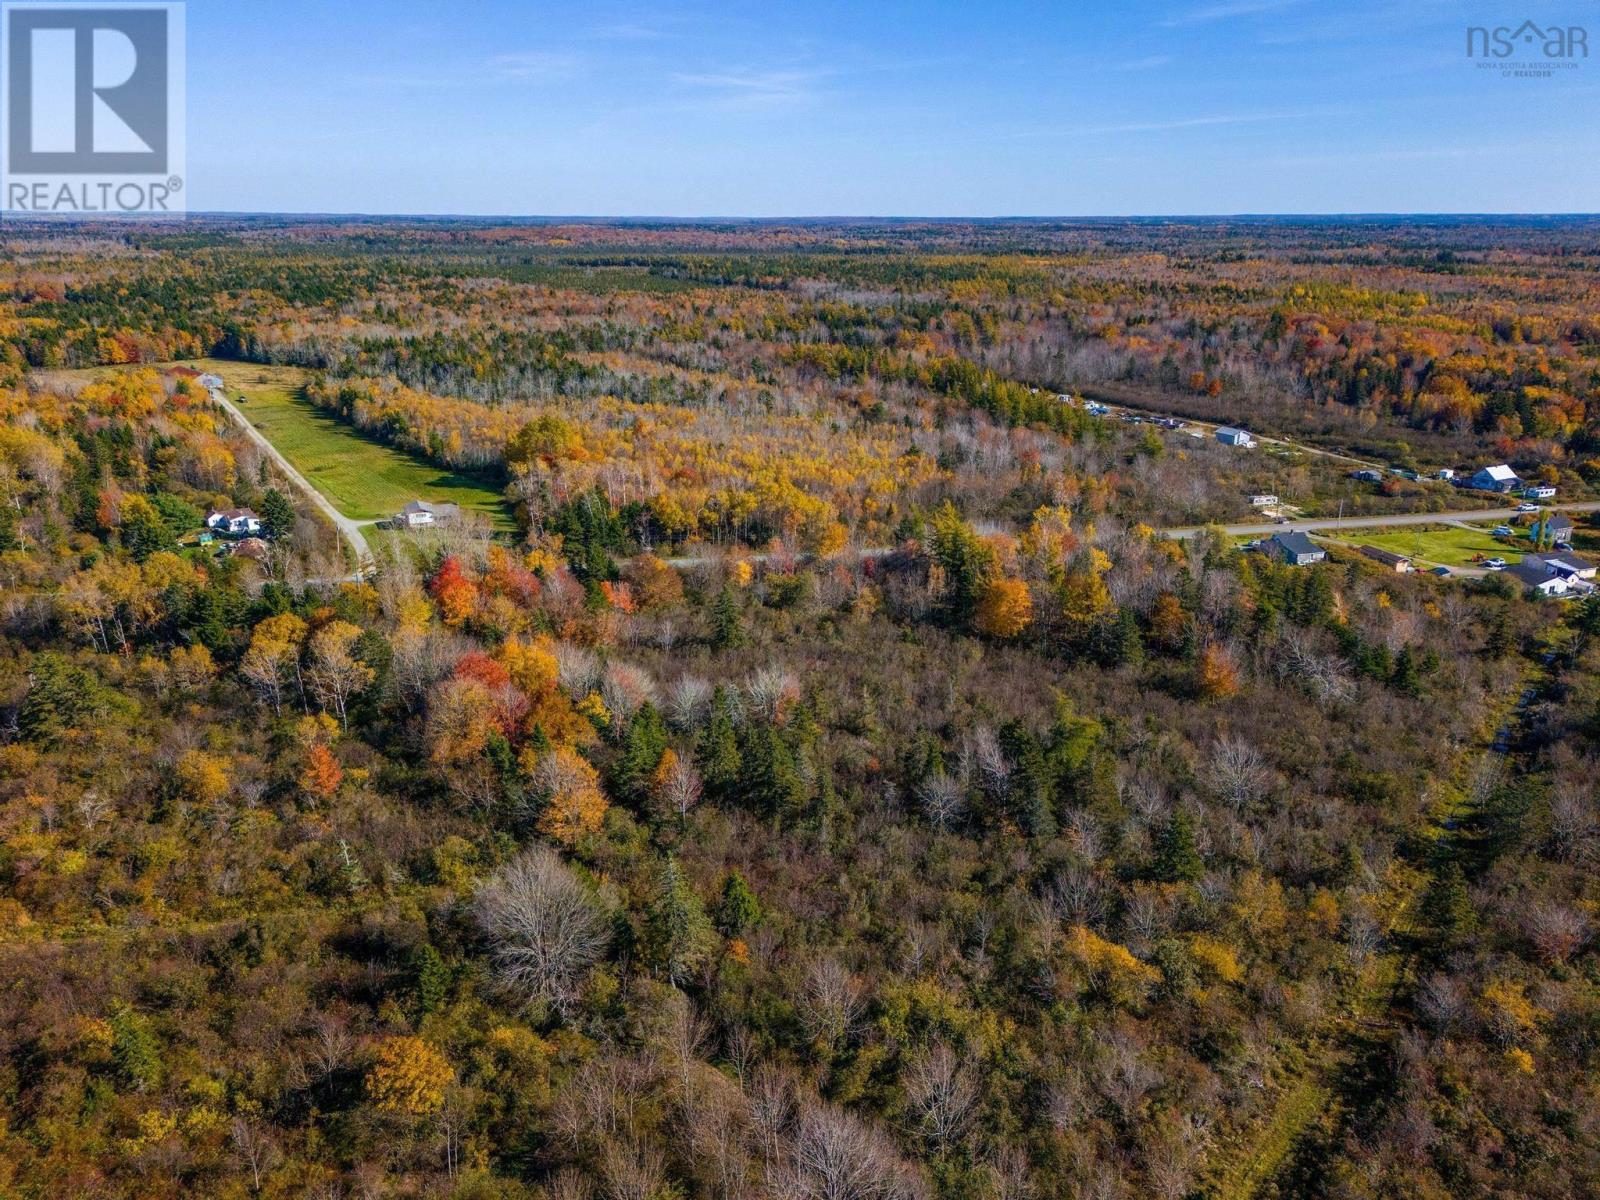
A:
x,y
348,529
1428,518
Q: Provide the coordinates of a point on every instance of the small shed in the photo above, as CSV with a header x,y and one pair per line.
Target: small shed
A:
x,y
1397,563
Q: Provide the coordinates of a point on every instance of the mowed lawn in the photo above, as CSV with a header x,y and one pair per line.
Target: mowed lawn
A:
x,y
1450,546
365,479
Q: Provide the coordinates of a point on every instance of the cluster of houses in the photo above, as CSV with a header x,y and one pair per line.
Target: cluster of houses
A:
x,y
1502,479
1559,574
1499,478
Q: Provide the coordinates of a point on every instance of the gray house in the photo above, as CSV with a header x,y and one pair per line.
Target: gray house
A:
x,y
1557,525
1229,436
1500,478
1296,549
419,513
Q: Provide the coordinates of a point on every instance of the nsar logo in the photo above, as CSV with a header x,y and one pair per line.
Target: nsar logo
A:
x,y
1529,50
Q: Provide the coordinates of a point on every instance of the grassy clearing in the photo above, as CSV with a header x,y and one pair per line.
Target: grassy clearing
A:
x,y
365,479
1448,545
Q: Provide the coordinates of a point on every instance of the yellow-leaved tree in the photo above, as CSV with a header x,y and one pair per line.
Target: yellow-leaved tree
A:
x,y
408,1077
1005,609
574,804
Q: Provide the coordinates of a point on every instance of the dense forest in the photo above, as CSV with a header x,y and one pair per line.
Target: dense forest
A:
x,y
839,787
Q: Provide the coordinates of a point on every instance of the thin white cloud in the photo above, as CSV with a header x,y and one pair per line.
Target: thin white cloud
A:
x,y
533,65
1225,11
1176,123
1148,63
1418,154
742,88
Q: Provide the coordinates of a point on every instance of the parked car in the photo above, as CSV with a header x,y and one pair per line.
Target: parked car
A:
x,y
1495,564
1504,531
1527,508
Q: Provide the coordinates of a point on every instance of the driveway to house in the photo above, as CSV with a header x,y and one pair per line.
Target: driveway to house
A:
x,y
348,529
1388,522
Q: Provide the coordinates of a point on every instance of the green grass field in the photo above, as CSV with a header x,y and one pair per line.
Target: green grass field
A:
x,y
1450,546
365,479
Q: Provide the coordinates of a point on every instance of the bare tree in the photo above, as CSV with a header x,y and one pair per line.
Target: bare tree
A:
x,y
1574,829
547,928
770,691
1237,773
255,1148
1557,932
982,757
943,800
631,1171
569,1185
577,668
839,1157
680,789
688,702
830,1002
626,689
942,1092
329,1047
1442,1002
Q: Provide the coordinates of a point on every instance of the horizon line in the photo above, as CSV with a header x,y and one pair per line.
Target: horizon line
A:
x,y
42,218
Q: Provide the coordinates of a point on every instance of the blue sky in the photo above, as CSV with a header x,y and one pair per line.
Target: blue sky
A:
x,y
879,107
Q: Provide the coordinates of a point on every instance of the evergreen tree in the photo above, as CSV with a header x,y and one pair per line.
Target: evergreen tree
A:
x,y
739,907
727,620
590,529
1497,636
1117,641
1177,859
966,559
1407,676
769,779
718,752
1030,799
277,514
430,979
1446,907
134,1049
677,933
144,532
644,741
61,696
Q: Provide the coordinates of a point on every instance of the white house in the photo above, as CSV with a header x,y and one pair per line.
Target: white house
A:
x,y
1446,474
234,522
1532,574
1565,566
1541,492
1229,436
1499,478
418,514
1265,500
